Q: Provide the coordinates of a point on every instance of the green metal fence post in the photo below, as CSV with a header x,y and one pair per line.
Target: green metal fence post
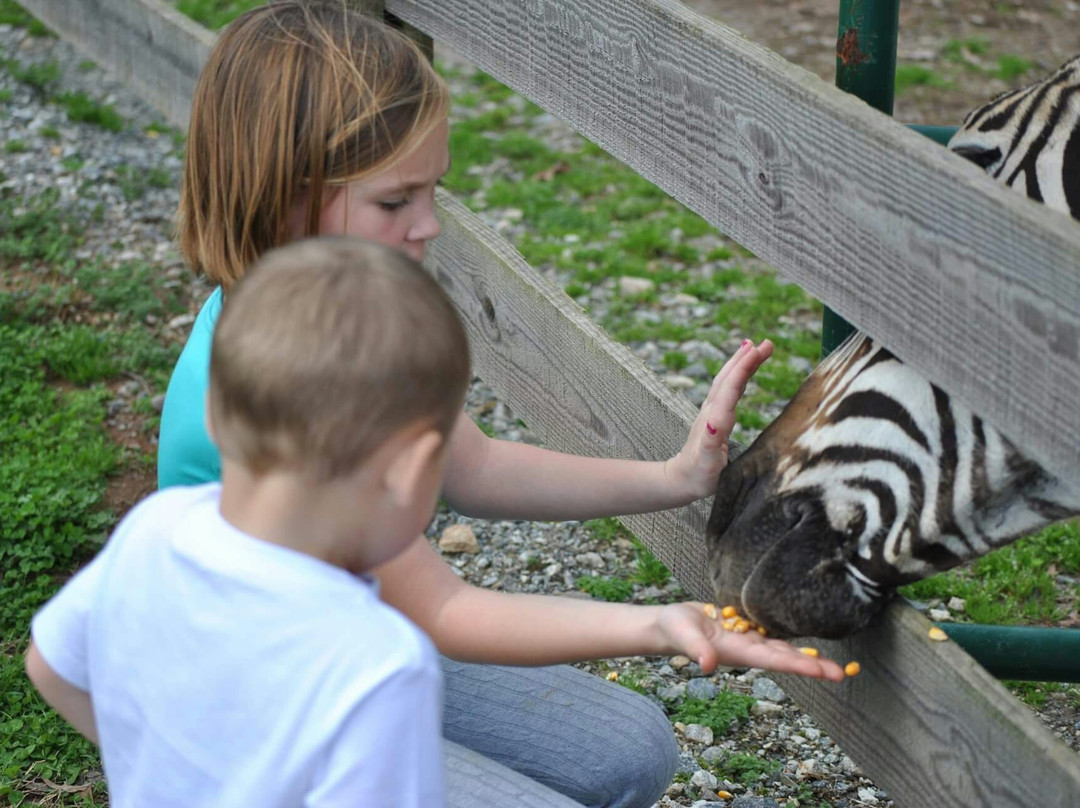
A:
x,y
865,67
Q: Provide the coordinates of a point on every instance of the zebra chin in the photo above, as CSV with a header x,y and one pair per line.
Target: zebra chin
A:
x,y
778,561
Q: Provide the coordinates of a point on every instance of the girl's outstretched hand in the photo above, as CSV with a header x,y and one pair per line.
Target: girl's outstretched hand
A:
x,y
686,626
699,463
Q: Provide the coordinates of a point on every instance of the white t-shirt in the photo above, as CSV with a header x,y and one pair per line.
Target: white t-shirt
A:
x,y
228,671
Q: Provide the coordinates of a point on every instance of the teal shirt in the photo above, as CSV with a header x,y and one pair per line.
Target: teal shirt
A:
x,y
186,456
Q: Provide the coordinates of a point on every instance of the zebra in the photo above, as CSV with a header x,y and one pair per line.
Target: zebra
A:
x,y
873,477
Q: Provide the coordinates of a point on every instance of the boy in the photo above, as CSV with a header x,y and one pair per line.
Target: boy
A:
x,y
225,647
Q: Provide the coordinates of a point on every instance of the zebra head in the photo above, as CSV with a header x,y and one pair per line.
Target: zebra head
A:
x,y
872,477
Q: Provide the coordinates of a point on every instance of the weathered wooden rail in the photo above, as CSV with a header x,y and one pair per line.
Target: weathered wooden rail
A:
x,y
976,287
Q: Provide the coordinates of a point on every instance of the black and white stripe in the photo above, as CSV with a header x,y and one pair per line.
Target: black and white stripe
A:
x,y
918,480
1029,139
915,479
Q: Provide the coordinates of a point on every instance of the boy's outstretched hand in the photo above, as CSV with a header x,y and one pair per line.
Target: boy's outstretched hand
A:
x,y
687,627
699,463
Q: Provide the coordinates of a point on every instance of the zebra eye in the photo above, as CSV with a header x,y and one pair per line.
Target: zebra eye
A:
x,y
982,157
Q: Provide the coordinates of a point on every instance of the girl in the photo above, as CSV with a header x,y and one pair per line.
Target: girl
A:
x,y
311,118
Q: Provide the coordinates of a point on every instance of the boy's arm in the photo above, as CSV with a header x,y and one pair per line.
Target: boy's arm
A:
x,y
502,479
479,625
69,701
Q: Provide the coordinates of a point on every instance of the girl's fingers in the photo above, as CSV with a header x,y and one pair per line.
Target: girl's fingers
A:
x,y
726,394
725,369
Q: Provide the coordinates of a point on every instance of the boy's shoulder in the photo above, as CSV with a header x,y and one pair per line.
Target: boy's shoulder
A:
x,y
166,505
384,634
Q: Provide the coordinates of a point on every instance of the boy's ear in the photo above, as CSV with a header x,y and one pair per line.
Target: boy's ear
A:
x,y
207,421
406,469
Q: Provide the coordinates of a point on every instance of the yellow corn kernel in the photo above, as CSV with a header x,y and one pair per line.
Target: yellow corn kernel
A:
x,y
613,676
729,624
937,635
741,626
809,652
762,631
710,611
724,795
852,669
729,611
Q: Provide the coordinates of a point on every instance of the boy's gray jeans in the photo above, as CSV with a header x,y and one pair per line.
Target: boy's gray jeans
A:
x,y
553,736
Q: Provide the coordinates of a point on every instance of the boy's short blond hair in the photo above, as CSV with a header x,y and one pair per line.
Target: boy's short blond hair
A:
x,y
297,98
325,349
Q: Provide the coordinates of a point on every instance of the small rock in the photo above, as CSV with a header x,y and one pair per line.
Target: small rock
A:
x,y
687,764
679,662
677,381
181,321
630,286
704,779
699,734
713,754
813,733
939,615
458,539
848,766
807,769
767,689
702,688
868,796
673,693
708,804
766,708
755,802
115,407
957,604
594,560
158,402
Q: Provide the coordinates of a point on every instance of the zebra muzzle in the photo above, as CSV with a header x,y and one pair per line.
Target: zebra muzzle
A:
x,y
777,558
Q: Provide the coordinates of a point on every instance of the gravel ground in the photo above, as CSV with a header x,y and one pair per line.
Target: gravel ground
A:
x,y
512,556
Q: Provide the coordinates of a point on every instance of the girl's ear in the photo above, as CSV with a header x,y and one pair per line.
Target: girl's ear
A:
x,y
410,466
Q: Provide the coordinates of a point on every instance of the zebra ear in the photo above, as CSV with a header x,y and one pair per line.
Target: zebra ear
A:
x,y
980,155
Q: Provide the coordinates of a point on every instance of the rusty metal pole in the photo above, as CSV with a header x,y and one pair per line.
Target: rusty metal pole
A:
x,y
865,67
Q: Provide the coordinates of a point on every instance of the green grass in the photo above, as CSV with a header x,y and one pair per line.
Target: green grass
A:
x,y
1011,67
15,147
616,590
215,14
83,109
43,79
1014,585
134,183
56,457
718,713
11,13
740,767
908,76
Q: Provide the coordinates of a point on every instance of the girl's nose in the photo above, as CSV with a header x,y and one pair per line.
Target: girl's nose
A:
x,y
426,228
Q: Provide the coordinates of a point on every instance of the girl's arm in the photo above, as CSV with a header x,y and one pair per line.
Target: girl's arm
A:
x,y
480,625
70,702
501,479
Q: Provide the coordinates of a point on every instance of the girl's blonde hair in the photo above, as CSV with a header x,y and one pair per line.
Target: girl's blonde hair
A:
x,y
297,95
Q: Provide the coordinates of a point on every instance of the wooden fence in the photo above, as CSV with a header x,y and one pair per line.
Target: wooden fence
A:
x,y
971,284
